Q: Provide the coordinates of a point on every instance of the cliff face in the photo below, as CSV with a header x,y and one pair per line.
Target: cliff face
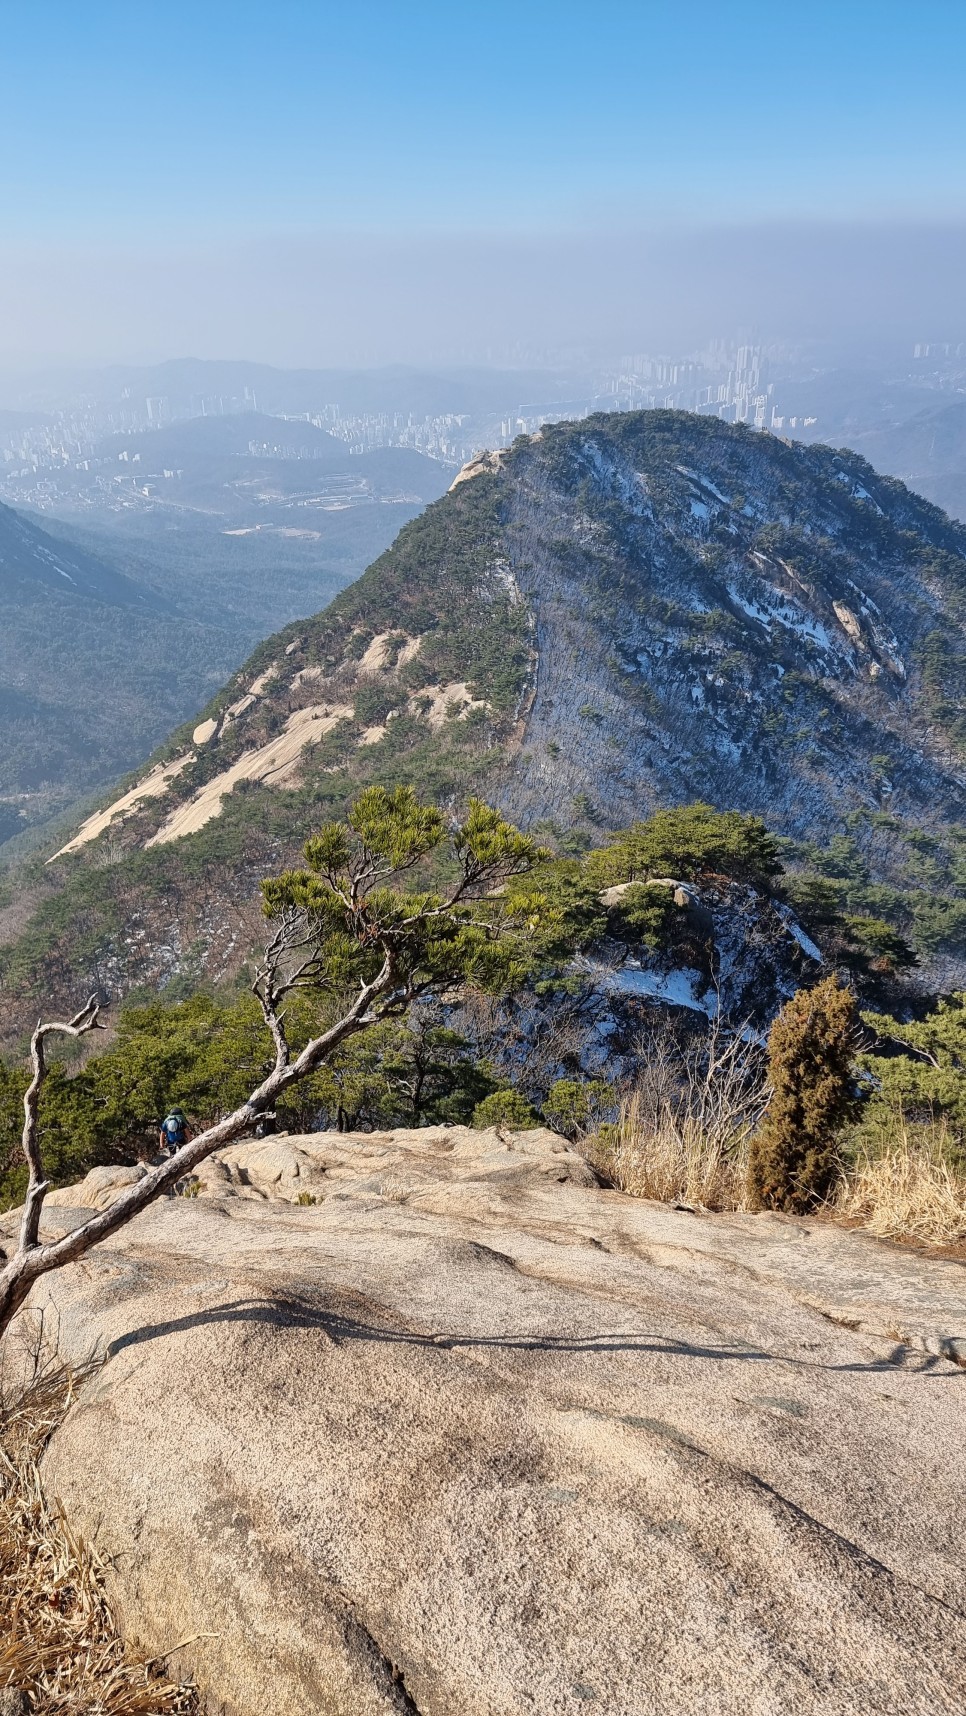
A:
x,y
631,611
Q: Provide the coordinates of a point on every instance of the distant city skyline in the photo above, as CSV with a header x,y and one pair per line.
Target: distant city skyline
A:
x,y
122,441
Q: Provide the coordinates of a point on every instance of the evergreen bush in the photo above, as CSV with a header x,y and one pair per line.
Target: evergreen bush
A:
x,y
794,1157
506,1108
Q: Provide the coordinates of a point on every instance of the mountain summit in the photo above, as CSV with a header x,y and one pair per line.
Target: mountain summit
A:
x,y
634,610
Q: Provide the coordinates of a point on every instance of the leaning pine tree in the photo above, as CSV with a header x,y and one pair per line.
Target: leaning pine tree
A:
x,y
794,1157
366,926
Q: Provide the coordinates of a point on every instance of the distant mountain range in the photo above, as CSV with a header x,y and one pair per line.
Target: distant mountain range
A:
x,y
635,610
184,382
850,401
928,451
230,436
240,450
243,469
867,406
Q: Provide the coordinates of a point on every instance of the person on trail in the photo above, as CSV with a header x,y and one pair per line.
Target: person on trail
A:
x,y
174,1132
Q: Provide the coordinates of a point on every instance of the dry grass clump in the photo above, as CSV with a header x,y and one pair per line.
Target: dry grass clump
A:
x,y
686,1131
683,1132
59,1643
670,1160
906,1188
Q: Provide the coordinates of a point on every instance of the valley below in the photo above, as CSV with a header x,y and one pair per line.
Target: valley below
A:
x,y
130,590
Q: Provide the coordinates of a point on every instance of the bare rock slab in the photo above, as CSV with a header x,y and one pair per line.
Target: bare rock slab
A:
x,y
469,1436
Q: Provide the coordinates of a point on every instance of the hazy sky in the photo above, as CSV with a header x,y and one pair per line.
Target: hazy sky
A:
x,y
315,182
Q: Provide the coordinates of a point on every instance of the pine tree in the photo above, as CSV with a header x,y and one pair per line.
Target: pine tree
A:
x,y
794,1157
351,928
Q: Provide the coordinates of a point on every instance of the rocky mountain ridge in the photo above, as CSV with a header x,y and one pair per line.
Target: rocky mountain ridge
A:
x,y
635,610
722,637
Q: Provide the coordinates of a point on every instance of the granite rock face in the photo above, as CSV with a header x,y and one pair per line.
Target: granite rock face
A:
x,y
471,1434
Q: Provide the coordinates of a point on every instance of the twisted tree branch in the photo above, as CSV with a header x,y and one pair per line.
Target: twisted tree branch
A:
x,y
88,1019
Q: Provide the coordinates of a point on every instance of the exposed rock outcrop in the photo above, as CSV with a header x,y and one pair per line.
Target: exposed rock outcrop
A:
x,y
470,1434
736,954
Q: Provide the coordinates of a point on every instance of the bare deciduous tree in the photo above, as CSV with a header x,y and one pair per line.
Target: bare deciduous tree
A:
x,y
341,926
534,1040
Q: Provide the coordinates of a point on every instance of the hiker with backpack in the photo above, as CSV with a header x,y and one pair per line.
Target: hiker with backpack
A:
x,y
174,1132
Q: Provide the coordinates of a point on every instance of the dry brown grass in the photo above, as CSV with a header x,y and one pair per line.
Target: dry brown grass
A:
x,y
683,1132
670,1161
59,1642
906,1188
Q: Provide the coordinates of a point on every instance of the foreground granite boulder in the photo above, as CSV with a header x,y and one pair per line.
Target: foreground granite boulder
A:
x,y
470,1436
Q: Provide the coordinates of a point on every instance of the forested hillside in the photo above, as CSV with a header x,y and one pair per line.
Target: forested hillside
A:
x,y
94,665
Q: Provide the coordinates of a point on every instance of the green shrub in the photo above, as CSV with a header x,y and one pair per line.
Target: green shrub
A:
x,y
917,1073
506,1108
373,702
574,1105
878,946
691,841
645,915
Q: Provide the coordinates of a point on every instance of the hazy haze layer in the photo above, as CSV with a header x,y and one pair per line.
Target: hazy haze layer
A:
x,y
370,299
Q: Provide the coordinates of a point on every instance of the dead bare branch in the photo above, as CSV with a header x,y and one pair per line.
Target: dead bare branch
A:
x,y
400,956
33,1258
88,1019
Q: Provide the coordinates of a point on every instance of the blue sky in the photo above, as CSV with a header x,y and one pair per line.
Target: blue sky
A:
x,y
120,121
313,182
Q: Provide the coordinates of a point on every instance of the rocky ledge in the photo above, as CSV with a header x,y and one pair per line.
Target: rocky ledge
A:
x,y
466,1433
